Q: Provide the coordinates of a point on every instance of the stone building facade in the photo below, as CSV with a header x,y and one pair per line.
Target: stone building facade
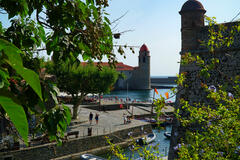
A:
x,y
137,78
194,32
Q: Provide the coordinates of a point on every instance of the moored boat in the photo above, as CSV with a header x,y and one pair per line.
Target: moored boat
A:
x,y
90,157
167,134
149,138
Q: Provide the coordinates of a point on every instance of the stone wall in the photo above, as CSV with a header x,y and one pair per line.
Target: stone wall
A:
x,y
141,75
228,68
49,151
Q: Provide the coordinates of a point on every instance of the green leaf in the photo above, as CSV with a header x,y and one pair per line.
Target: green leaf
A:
x,y
67,112
17,116
3,78
54,97
25,8
15,61
1,83
107,20
42,34
31,78
1,28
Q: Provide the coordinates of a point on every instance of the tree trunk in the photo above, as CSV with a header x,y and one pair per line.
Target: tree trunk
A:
x,y
76,104
75,111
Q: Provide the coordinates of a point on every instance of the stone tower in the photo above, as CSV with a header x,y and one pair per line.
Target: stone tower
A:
x,y
192,18
193,30
143,72
192,24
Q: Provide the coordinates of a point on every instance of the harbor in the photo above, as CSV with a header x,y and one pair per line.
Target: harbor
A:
x,y
111,123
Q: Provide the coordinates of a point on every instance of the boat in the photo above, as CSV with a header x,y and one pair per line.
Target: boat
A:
x,y
149,138
167,134
90,157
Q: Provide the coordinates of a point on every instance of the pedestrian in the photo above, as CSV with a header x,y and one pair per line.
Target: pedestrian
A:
x,y
90,117
96,118
124,119
121,106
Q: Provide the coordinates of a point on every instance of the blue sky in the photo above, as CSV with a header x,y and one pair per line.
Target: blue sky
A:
x,y
157,24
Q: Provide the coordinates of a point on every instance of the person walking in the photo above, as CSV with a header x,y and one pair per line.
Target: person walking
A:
x,y
124,118
96,118
90,117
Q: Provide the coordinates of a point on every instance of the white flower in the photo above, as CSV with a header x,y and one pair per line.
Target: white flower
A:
x,y
179,145
212,88
230,95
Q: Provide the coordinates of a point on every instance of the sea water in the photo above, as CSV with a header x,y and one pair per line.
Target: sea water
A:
x,y
161,145
141,95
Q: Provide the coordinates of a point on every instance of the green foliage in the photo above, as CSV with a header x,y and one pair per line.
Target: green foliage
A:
x,y
219,35
65,28
74,79
160,104
55,121
11,55
144,152
212,129
16,114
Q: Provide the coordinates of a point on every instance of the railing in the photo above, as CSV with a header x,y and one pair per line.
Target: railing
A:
x,y
93,131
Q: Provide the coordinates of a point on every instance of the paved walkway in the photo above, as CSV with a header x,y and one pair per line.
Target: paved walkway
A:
x,y
109,121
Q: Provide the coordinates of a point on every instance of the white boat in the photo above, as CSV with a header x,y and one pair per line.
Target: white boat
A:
x,y
167,134
90,157
146,139
150,138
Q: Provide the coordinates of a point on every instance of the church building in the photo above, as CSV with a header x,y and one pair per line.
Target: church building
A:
x,y
137,78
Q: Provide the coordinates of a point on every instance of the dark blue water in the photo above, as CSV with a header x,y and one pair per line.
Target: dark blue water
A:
x,y
161,144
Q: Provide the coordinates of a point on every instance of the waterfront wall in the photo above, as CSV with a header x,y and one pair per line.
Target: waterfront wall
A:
x,y
167,80
73,146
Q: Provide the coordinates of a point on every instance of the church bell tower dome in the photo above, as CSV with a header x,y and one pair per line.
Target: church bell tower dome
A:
x,y
144,49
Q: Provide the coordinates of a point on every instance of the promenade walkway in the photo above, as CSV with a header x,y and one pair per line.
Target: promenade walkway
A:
x,y
109,120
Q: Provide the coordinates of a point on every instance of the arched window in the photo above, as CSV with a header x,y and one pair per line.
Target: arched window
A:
x,y
144,59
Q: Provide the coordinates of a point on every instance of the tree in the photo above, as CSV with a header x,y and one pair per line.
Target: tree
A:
x,y
78,80
74,28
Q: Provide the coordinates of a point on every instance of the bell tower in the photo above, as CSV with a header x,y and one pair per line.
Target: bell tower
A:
x,y
144,67
144,57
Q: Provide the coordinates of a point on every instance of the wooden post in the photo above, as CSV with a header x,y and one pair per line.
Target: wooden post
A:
x,y
132,112
127,96
153,101
99,107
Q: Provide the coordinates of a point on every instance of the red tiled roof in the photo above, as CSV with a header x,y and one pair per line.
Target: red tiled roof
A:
x,y
123,67
119,66
144,48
